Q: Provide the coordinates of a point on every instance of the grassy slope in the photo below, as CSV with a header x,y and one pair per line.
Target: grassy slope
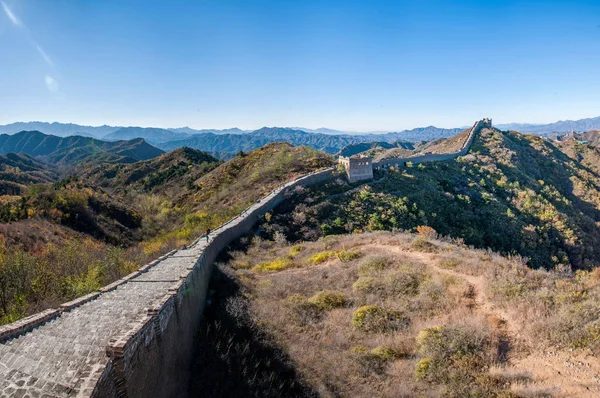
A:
x,y
459,322
513,193
168,172
234,185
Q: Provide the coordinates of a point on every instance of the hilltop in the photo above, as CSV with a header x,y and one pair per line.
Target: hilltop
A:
x,y
395,315
239,182
170,171
76,149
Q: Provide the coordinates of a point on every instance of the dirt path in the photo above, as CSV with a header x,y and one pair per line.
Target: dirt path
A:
x,y
557,373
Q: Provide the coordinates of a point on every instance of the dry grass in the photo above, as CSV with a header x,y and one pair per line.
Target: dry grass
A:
x,y
394,321
350,323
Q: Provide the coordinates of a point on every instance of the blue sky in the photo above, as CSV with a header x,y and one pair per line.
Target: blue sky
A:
x,y
353,65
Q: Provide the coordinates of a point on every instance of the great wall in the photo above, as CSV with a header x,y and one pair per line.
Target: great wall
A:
x,y
133,337
359,169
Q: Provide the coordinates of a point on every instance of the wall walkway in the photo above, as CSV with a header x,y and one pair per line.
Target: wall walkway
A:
x,y
437,157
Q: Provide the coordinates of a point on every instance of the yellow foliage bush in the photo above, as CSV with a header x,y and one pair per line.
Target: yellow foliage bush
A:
x,y
321,257
328,299
422,368
347,256
386,353
372,318
295,250
275,265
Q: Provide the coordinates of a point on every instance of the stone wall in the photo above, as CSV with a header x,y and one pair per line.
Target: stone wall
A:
x,y
434,157
153,357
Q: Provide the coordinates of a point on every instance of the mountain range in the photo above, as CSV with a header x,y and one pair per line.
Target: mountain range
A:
x,y
75,149
158,135
225,143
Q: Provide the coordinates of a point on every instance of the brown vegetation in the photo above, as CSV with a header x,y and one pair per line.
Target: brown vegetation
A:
x,y
399,321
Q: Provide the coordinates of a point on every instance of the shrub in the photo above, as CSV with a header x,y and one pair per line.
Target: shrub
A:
x,y
347,256
386,353
295,250
242,264
304,310
423,245
449,264
454,355
373,264
426,232
372,318
403,282
422,368
364,284
275,265
327,300
321,257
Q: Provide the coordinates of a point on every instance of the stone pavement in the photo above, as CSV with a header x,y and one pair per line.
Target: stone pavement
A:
x,y
51,360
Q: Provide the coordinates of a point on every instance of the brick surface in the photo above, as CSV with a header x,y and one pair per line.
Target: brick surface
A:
x,y
62,354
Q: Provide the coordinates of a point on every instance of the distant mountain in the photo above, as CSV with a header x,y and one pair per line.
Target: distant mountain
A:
x,y
75,149
58,129
151,134
324,130
424,134
591,137
190,131
233,143
563,126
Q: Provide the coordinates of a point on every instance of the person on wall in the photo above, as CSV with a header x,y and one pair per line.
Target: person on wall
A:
x,y
207,233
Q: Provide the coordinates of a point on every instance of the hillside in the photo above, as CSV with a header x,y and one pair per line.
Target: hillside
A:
x,y
22,170
395,315
239,182
513,193
374,148
591,137
234,143
167,172
87,230
76,149
82,208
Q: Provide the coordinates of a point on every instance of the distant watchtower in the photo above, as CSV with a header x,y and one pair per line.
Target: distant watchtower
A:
x,y
486,122
357,168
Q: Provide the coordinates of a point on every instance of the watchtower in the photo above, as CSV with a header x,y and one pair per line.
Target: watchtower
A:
x,y
357,168
487,122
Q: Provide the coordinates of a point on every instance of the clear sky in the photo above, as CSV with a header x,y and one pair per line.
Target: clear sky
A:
x,y
353,65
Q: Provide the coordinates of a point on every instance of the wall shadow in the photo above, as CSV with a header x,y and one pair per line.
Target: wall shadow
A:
x,y
234,357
